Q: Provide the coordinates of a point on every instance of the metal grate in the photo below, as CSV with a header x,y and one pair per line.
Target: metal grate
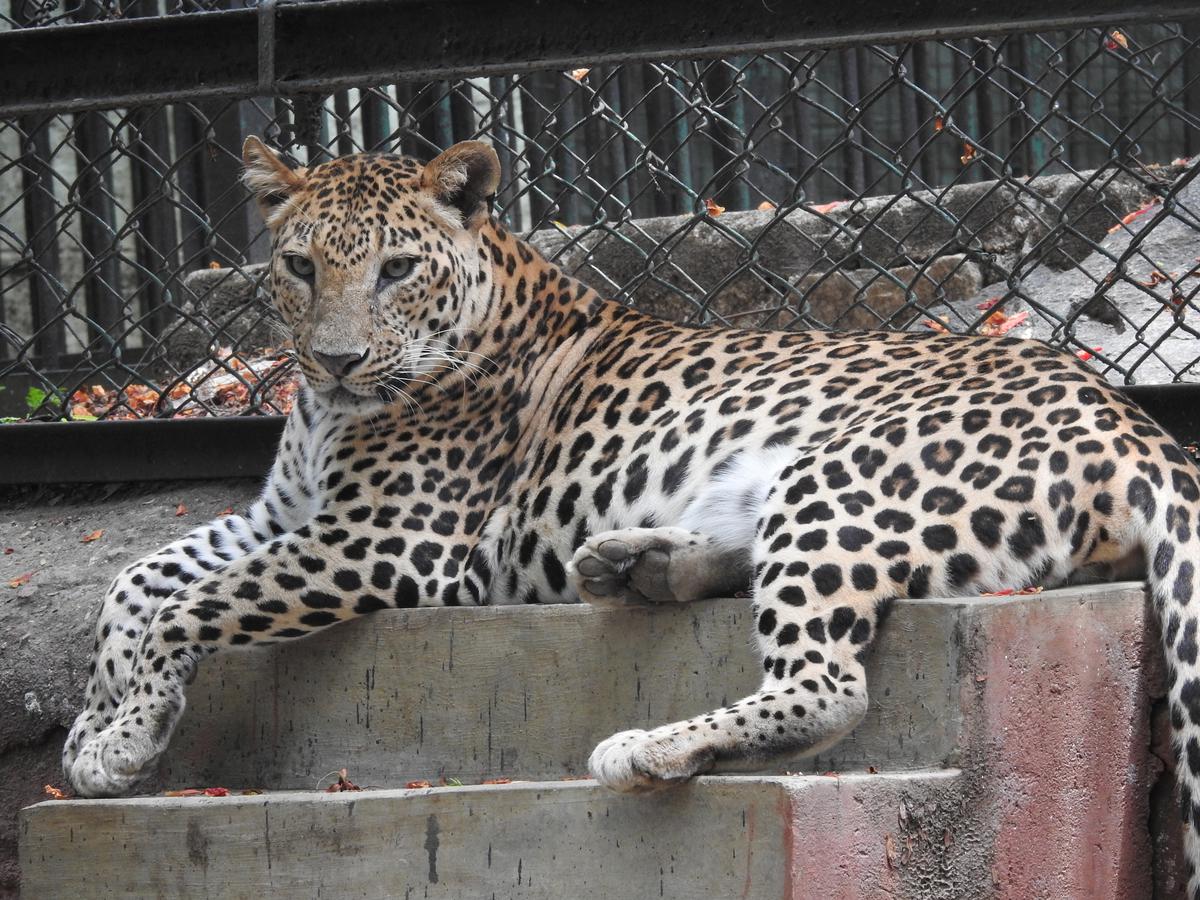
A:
x,y
1026,184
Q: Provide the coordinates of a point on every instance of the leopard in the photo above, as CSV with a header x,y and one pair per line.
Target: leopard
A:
x,y
476,426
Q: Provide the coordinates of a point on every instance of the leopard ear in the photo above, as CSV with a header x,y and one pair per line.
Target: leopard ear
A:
x,y
269,178
465,177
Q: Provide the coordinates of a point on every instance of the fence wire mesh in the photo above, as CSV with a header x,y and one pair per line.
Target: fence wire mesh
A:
x,y
1037,185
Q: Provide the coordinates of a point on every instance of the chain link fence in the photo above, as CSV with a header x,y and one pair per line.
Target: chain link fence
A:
x,y
1037,185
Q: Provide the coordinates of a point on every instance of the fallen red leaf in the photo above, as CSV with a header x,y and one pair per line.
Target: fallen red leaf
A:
x,y
766,206
968,155
186,792
180,510
227,511
937,325
413,785
21,579
579,74
9,551
713,208
55,793
342,784
1085,355
1128,219
496,781
826,208
938,123
216,792
93,536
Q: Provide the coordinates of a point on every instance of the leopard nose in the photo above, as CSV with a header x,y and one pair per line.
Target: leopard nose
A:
x,y
339,364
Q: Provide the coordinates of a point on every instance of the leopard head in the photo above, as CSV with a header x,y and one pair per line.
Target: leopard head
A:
x,y
377,264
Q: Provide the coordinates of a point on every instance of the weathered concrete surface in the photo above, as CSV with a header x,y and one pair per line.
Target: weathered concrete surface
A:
x,y
1050,799
754,838
46,626
484,693
1057,742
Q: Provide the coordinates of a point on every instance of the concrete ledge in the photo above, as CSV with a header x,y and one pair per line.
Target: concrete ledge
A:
x,y
759,838
526,692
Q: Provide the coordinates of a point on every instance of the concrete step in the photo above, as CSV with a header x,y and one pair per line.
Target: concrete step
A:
x,y
527,692
799,837
997,725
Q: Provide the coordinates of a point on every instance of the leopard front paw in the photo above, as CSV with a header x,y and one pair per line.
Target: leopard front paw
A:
x,y
114,762
639,761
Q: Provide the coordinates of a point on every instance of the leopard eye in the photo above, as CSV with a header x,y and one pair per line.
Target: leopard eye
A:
x,y
397,267
300,266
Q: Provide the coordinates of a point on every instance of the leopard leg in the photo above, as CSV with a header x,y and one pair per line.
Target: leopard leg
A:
x,y
660,565
290,587
139,590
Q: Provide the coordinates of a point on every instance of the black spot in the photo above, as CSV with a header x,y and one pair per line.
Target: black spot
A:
x,y
944,500
918,583
985,525
1018,488
897,521
1141,497
1181,591
766,621
788,634
792,595
827,578
1028,537
940,538
852,538
812,540
863,577
839,623
961,568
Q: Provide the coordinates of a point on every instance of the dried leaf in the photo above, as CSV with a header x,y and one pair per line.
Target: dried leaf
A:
x,y
766,206
1157,277
180,510
712,207
579,74
214,265
413,785
826,208
20,580
980,679
496,781
55,793
871,770
1116,39
186,792
216,792
1128,219
947,837
938,123
9,551
1085,355
1000,323
938,325
93,536
251,792
968,155
227,511
987,304
574,777
343,783
889,850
